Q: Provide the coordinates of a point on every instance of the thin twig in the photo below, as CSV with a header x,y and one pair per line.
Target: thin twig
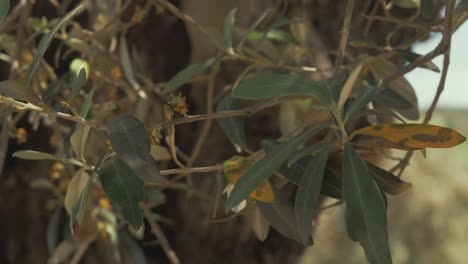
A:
x,y
344,34
443,47
157,231
425,28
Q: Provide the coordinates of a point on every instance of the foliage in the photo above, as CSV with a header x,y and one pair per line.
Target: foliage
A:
x,y
367,88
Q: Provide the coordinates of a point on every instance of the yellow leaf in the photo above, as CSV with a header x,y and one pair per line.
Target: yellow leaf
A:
x,y
235,167
416,136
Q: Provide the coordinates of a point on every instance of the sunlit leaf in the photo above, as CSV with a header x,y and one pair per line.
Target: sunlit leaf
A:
x,y
414,135
228,27
18,90
78,140
131,142
259,224
264,168
233,127
366,217
388,182
47,39
124,189
407,3
4,8
277,85
307,196
349,85
280,215
186,74
234,169
75,188
33,155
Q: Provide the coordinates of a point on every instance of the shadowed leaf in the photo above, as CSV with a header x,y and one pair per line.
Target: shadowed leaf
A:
x,y
4,8
388,182
308,193
366,217
186,74
78,83
412,56
280,215
18,90
233,127
228,27
123,188
131,142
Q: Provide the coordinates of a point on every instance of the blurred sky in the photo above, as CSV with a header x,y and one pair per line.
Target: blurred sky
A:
x,y
425,82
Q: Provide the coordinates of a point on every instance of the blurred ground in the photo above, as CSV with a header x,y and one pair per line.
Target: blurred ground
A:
x,y
427,224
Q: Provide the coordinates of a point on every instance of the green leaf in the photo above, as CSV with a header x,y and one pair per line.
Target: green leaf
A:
x,y
74,190
413,56
78,83
87,103
33,155
265,167
253,26
307,195
277,85
378,112
186,74
390,98
130,141
47,39
332,185
138,256
233,127
366,217
18,90
4,8
427,8
53,230
367,93
124,189
228,27
306,151
462,7
280,215
388,182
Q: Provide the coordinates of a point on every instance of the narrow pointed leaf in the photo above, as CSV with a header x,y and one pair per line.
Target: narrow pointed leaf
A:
x,y
33,155
388,182
4,8
124,189
18,90
78,83
277,85
366,217
367,93
308,193
280,215
412,56
75,188
306,151
378,112
349,85
78,140
131,142
47,39
389,98
416,136
228,27
186,74
265,167
233,127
